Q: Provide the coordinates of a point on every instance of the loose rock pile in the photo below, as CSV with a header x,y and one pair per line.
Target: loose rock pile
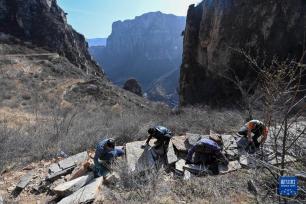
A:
x,y
71,180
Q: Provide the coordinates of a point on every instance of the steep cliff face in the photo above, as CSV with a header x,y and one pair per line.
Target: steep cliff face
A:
x,y
144,48
216,28
44,23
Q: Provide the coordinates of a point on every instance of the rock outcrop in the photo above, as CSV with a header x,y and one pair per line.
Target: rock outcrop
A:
x,y
43,23
145,48
133,86
215,29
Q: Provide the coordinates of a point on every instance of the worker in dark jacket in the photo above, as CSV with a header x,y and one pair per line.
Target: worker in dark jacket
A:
x,y
258,128
163,136
208,152
104,155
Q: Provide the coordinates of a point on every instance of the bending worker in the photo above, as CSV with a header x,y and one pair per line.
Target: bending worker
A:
x,y
258,128
104,155
208,152
163,136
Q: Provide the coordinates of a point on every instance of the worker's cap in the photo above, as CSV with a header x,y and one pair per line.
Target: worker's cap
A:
x,y
111,143
151,131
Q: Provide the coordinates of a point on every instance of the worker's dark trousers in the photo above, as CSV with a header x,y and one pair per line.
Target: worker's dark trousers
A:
x,y
207,159
202,158
162,145
257,133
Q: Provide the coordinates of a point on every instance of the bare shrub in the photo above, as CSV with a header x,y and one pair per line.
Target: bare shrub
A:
x,y
282,103
158,186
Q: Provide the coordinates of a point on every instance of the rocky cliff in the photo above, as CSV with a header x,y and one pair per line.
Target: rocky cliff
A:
x,y
144,48
44,23
215,29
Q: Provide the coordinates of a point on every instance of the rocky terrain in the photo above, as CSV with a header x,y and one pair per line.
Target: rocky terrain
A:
x,y
56,104
47,76
69,179
145,48
44,24
216,29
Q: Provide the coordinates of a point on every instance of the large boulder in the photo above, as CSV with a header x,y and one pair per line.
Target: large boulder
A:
x,y
216,29
133,86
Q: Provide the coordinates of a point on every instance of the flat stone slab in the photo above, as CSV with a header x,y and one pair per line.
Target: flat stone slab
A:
x,y
229,142
171,156
25,180
139,159
247,161
179,143
54,176
66,166
53,168
72,186
73,160
86,194
179,166
232,166
192,138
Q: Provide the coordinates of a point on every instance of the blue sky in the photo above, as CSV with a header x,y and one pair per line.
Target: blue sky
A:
x,y
94,18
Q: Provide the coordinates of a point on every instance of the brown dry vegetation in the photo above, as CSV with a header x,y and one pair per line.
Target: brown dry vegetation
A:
x,y
166,188
81,128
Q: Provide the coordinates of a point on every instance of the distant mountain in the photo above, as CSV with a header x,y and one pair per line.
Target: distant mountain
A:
x,y
96,42
145,48
96,52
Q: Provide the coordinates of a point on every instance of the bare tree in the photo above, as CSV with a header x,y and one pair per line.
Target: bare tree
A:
x,y
284,103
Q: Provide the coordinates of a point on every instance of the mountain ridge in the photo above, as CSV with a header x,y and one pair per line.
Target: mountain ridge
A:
x,y
144,48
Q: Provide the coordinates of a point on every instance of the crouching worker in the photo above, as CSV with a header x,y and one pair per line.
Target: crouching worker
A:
x,y
104,155
207,152
258,128
163,136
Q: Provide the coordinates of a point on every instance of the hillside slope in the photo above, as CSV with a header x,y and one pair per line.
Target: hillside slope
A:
x,y
44,23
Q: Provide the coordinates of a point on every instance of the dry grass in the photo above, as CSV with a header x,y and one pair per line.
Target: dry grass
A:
x,y
81,128
158,186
